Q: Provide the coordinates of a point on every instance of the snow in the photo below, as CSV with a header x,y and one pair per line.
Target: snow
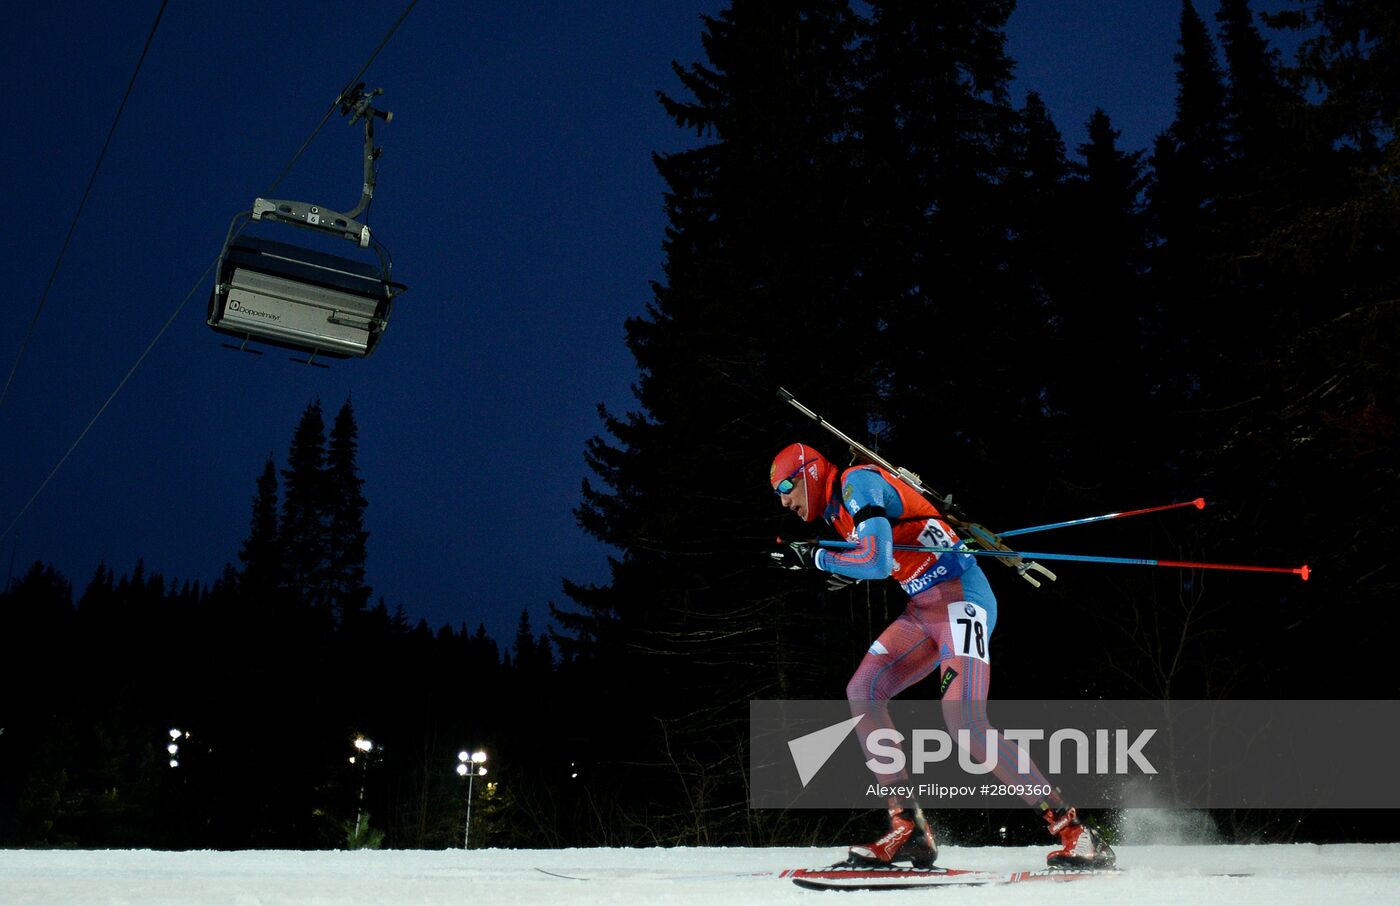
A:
x,y
1275,874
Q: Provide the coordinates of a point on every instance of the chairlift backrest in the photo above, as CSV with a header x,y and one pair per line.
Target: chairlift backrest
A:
x,y
297,298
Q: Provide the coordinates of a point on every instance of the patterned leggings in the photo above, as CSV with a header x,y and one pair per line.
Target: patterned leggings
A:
x,y
939,628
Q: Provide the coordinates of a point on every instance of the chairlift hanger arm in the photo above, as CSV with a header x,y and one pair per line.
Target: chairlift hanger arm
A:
x,y
357,104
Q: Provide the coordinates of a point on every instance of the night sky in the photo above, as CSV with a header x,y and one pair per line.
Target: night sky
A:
x,y
517,194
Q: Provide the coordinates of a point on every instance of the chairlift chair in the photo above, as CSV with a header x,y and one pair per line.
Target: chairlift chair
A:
x,y
283,295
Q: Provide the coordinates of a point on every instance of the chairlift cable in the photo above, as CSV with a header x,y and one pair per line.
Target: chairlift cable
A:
x,y
63,249
131,371
189,295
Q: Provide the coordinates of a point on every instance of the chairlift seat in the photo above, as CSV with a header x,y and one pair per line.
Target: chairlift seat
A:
x,y
293,297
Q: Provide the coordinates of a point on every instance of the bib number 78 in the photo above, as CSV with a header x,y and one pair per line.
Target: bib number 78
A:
x,y
967,623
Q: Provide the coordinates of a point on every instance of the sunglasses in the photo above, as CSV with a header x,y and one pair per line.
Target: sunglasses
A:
x,y
786,485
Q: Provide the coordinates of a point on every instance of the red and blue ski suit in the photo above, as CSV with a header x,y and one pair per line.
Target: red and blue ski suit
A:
x,y
947,623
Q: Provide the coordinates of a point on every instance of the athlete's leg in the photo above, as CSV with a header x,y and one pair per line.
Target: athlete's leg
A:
x,y
959,616
900,657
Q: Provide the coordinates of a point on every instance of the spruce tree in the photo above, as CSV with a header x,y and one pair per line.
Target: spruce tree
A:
x,y
1104,379
1343,228
261,551
303,527
757,283
755,277
1255,98
1315,444
935,103
533,658
346,553
1188,156
845,231
1350,61
1189,296
1041,263
1274,169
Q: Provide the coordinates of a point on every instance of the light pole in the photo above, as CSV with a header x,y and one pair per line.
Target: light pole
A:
x,y
470,765
364,747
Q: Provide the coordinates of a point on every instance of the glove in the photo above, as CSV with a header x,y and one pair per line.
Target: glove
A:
x,y
836,581
792,555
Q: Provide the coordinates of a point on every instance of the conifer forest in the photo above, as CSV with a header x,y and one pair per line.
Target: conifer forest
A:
x,y
871,217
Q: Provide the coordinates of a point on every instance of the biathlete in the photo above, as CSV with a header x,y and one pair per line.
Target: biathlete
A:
x,y
947,623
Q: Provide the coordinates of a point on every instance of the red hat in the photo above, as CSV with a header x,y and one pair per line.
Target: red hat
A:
x,y
816,471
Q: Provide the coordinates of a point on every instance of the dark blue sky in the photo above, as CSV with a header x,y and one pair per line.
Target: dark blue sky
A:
x,y
517,194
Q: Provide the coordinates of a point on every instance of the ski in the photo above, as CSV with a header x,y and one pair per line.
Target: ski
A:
x,y
861,877
652,874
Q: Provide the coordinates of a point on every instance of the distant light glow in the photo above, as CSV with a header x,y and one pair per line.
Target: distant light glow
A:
x,y
172,747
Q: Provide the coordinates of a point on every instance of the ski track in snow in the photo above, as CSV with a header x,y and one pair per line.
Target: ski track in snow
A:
x,y
1177,875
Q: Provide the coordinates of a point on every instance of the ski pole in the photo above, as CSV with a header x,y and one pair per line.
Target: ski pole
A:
x,y
1087,558
1199,503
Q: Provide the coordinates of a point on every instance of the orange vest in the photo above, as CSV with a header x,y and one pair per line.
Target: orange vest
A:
x,y
920,525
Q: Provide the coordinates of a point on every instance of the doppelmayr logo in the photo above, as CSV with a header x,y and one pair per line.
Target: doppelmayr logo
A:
x,y
239,306
1096,752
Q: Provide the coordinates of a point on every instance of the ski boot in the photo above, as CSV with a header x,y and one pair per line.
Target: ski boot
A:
x,y
1080,845
910,837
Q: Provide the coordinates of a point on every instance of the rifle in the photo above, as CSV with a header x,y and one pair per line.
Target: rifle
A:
x,y
971,531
